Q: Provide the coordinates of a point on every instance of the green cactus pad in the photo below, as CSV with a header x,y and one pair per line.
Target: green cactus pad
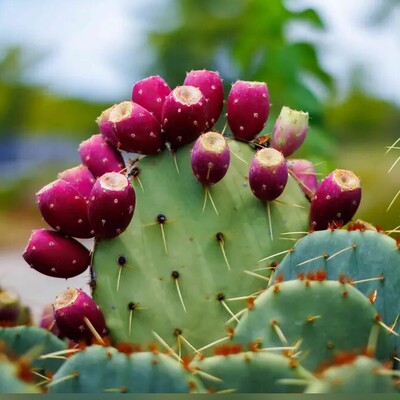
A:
x,y
358,255
251,372
38,342
100,369
362,375
328,317
148,298
10,382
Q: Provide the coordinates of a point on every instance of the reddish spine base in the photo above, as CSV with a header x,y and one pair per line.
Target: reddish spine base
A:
x,y
150,93
56,255
248,109
100,156
336,200
210,84
136,129
111,205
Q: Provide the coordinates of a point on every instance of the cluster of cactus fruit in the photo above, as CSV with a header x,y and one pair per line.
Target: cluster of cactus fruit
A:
x,y
193,287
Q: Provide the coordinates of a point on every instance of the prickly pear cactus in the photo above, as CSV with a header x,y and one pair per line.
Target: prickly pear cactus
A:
x,y
175,269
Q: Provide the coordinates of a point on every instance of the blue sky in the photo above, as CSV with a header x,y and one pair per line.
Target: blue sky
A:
x,y
86,43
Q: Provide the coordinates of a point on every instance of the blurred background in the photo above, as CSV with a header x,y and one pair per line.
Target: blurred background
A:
x,y
62,63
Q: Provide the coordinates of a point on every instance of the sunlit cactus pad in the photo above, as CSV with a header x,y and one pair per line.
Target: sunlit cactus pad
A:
x,y
175,269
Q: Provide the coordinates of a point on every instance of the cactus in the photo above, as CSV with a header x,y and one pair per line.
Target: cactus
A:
x,y
98,369
319,314
365,257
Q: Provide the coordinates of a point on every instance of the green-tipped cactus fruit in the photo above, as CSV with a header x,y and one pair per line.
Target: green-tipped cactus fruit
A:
x,y
323,317
35,342
176,267
251,372
359,375
367,258
100,369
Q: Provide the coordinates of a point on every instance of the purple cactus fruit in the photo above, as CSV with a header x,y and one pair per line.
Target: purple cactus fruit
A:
x,y
184,115
111,205
136,129
64,209
100,156
289,131
150,93
54,254
210,84
304,173
47,320
80,178
268,174
78,316
336,199
106,127
248,109
210,158
10,308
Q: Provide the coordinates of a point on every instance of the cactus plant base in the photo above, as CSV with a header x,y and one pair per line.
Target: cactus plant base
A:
x,y
172,273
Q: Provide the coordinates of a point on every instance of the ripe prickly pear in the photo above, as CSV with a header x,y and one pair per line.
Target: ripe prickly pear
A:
x,y
304,173
336,200
248,109
136,129
268,174
150,93
78,316
64,209
210,84
184,115
55,254
111,205
100,156
210,158
106,127
47,320
80,177
289,131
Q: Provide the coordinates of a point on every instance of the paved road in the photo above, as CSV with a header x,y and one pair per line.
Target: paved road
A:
x,y
35,289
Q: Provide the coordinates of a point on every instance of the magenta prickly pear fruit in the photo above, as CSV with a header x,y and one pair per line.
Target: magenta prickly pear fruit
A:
x,y
111,205
107,127
289,131
100,156
184,115
78,316
210,158
57,255
210,84
80,178
336,199
248,109
136,129
47,320
150,93
64,209
304,173
268,174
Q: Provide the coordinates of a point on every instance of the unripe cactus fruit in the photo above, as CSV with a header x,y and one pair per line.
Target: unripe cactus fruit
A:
x,y
80,178
78,316
248,109
9,308
210,84
268,174
184,115
64,209
210,158
289,131
106,127
111,205
304,172
150,93
100,156
54,254
136,129
336,200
